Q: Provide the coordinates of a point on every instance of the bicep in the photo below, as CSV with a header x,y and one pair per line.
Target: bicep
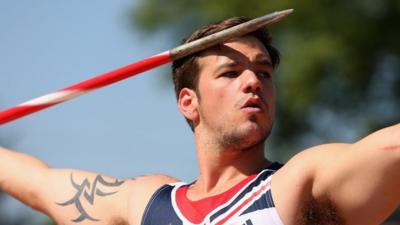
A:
x,y
88,198
362,179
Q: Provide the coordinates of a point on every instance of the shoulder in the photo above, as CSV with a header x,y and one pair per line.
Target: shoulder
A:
x,y
150,180
293,183
310,159
141,190
306,163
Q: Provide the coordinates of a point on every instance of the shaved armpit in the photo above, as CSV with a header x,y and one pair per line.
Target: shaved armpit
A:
x,y
87,191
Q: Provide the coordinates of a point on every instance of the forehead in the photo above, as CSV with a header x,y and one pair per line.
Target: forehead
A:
x,y
246,48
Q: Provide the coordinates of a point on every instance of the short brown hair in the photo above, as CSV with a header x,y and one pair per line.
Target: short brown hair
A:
x,y
185,71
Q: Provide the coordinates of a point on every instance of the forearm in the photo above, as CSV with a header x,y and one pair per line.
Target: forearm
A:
x,y
65,195
17,173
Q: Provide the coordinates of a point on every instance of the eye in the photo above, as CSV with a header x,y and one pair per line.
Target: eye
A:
x,y
264,75
230,74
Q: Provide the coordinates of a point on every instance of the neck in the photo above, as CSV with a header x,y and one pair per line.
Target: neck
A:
x,y
221,168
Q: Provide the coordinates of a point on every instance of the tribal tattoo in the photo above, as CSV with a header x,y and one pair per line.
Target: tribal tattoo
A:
x,y
89,192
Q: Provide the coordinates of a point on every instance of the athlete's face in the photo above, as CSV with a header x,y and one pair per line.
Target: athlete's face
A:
x,y
237,95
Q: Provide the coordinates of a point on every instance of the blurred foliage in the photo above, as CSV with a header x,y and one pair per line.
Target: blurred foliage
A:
x,y
340,73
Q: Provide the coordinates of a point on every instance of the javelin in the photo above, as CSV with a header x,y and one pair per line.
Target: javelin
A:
x,y
111,77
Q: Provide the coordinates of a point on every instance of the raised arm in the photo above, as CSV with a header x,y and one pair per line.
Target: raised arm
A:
x,y
339,184
75,197
362,179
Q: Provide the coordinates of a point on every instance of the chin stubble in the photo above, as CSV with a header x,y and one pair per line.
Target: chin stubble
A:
x,y
241,142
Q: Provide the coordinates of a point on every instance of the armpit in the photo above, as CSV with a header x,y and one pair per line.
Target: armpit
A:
x,y
320,212
118,221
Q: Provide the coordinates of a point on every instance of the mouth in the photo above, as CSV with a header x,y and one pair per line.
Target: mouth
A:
x,y
253,104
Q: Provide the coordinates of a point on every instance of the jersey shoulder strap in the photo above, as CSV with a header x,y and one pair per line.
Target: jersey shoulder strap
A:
x,y
159,209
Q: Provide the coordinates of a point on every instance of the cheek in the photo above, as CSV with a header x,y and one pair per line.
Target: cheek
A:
x,y
270,96
215,106
214,101
270,89
215,95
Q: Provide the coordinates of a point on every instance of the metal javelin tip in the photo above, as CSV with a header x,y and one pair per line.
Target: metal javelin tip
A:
x,y
272,17
286,11
236,31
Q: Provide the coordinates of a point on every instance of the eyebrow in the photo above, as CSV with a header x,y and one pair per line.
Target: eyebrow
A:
x,y
227,64
263,60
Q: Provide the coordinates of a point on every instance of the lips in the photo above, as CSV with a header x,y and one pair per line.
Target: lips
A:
x,y
253,104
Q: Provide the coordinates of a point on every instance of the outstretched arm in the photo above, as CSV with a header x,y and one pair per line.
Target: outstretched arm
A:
x,y
73,196
362,179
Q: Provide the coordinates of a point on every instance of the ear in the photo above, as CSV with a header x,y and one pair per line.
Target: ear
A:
x,y
188,104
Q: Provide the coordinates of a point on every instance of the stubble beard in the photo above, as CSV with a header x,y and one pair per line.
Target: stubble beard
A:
x,y
229,137
243,140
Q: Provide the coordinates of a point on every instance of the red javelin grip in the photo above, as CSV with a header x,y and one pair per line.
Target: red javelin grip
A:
x,y
83,87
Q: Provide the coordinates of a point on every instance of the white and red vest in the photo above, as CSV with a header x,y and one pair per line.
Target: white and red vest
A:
x,y
247,203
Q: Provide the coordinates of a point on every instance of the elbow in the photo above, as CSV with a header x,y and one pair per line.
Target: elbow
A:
x,y
392,148
392,152
387,142
392,139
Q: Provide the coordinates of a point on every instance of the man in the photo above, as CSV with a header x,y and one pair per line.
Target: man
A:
x,y
227,95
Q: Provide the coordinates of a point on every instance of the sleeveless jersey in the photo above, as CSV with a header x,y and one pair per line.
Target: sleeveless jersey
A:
x,y
247,203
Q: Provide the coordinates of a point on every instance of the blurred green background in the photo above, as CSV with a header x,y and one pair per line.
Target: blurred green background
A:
x,y
339,77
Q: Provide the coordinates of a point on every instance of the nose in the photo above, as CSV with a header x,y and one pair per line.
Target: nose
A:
x,y
251,83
